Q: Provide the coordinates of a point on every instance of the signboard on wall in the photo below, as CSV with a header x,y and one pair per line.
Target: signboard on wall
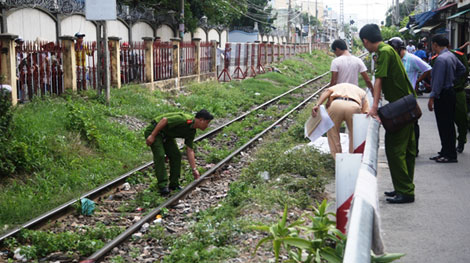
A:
x,y
100,10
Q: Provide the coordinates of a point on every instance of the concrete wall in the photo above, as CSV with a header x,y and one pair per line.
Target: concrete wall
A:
x,y
140,30
223,38
187,37
77,23
118,29
31,23
214,35
165,33
200,33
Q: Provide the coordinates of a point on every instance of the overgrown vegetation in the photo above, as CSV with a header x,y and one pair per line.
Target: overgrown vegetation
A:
x,y
84,241
13,156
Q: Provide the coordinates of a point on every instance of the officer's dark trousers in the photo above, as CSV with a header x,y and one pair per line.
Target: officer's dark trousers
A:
x,y
161,147
444,109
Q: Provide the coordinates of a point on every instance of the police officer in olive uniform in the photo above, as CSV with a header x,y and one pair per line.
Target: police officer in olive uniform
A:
x,y
461,117
160,136
400,146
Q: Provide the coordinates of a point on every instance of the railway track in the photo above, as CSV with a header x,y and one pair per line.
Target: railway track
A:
x,y
111,205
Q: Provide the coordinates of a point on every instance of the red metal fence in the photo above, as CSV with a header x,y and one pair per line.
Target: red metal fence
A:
x,y
206,56
132,61
85,59
39,69
188,59
163,60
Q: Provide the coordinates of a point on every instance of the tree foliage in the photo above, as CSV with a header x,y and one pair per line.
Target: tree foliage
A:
x,y
218,12
255,11
406,8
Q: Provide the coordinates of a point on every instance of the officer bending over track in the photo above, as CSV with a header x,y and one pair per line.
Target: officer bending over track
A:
x,y
160,136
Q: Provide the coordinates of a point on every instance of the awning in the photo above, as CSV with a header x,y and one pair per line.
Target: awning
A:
x,y
422,18
459,14
429,28
444,7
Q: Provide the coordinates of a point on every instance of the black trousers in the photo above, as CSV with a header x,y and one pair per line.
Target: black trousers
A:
x,y
444,109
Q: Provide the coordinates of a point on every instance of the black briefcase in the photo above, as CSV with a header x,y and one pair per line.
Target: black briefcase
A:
x,y
399,113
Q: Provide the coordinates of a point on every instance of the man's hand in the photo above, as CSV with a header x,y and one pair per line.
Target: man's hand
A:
x,y
431,104
196,174
315,111
149,141
373,113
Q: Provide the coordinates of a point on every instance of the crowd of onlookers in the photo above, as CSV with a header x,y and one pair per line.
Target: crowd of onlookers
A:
x,y
401,70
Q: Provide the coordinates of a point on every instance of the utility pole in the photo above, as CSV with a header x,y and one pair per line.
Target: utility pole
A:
x,y
341,12
397,13
288,21
181,26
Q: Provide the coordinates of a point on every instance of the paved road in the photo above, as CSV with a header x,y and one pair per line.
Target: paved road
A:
x,y
435,228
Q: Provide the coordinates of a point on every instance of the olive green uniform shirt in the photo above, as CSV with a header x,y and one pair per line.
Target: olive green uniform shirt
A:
x,y
180,125
395,82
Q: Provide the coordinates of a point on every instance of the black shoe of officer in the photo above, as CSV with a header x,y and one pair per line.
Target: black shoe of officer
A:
x,y
177,188
460,147
390,194
401,199
164,191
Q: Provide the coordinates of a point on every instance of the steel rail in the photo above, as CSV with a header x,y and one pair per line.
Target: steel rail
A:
x,y
60,209
134,228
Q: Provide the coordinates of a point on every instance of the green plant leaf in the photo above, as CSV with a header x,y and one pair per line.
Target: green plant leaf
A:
x,y
386,257
297,242
261,242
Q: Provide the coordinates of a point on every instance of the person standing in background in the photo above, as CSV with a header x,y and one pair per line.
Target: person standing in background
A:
x,y
345,68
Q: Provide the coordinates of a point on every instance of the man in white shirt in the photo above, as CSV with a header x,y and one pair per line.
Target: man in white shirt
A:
x,y
411,48
345,68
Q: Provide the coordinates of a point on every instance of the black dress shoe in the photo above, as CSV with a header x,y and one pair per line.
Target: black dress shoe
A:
x,y
164,191
390,194
460,147
401,199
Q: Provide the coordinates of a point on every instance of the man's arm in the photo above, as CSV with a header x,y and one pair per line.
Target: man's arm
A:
x,y
464,45
334,78
320,101
377,94
192,162
366,78
423,76
161,124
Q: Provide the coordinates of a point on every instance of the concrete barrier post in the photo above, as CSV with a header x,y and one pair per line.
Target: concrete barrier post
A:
x,y
8,64
69,63
214,56
148,70
114,59
176,59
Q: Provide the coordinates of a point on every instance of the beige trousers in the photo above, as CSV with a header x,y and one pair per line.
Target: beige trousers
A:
x,y
339,111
